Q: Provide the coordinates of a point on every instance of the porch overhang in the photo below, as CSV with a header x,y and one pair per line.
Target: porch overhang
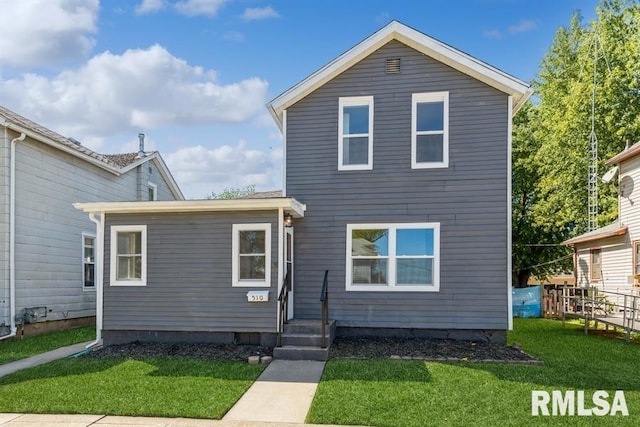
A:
x,y
287,204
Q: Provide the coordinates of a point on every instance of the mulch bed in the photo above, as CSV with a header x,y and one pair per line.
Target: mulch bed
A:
x,y
342,348
201,351
427,349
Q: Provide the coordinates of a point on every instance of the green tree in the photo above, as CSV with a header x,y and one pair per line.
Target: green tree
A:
x,y
532,252
233,193
551,137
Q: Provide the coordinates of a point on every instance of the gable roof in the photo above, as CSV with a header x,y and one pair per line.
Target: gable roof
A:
x,y
116,164
628,153
519,90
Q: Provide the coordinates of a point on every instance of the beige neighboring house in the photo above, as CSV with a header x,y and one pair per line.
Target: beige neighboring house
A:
x,y
609,257
48,248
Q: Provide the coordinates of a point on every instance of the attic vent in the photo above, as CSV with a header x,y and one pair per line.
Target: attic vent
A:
x,y
75,141
392,66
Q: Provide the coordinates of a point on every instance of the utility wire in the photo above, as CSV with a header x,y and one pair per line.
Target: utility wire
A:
x,y
549,262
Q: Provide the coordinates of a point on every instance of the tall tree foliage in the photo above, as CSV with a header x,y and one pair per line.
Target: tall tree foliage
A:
x,y
551,137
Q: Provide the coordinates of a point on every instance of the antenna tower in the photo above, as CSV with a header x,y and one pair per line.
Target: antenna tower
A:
x,y
593,144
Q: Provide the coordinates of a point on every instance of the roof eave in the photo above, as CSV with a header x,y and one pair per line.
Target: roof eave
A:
x,y
625,155
45,140
289,204
586,239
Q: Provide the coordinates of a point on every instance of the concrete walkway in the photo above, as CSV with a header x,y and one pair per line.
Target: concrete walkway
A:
x,y
50,356
33,420
281,396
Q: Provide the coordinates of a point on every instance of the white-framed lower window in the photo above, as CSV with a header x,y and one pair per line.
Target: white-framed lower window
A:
x,y
128,255
430,130
393,257
355,133
153,191
88,261
251,249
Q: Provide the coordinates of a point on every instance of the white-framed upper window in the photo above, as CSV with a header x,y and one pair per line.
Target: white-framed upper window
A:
x,y
355,133
128,255
88,261
251,249
393,257
153,191
430,130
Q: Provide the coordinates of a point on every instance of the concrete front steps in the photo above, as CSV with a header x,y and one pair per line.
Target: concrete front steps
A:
x,y
302,340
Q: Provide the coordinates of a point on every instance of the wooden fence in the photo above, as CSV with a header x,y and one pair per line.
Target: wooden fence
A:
x,y
552,302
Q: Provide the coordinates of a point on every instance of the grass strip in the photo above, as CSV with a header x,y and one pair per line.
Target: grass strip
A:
x,y
154,387
19,348
416,393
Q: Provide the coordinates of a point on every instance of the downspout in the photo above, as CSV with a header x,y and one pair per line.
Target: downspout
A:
x,y
98,276
12,237
281,263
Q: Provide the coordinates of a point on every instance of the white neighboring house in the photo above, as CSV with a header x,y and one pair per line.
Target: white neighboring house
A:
x,y
609,257
47,248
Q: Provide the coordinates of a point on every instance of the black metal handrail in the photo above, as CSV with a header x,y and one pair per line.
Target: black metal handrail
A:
x,y
324,300
283,303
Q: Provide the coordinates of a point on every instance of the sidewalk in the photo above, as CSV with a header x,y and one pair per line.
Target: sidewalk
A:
x,y
33,420
39,359
281,396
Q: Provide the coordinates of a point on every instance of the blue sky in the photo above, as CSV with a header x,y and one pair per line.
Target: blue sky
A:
x,y
195,75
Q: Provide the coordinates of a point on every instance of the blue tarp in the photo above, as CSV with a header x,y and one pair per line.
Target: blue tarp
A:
x,y
527,302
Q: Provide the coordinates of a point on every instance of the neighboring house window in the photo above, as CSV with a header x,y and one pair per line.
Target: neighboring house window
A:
x,y
636,259
596,264
393,257
88,261
355,133
128,255
430,130
153,191
251,249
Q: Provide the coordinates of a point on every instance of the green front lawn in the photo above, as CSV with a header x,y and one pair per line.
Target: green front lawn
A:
x,y
415,393
19,348
163,387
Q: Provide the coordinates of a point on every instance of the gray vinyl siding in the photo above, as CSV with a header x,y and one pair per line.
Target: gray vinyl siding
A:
x,y
49,229
468,199
189,277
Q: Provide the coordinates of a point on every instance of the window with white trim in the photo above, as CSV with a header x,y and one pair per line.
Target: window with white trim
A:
x,y
595,256
355,133
393,257
636,259
430,130
88,261
128,255
153,191
251,249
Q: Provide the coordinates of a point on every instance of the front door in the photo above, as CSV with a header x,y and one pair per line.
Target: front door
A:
x,y
288,257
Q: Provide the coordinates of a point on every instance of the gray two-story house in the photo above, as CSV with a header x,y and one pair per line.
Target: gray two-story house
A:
x,y
47,248
397,173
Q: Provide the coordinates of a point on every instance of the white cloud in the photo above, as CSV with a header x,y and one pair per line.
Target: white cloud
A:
x,y
46,32
150,6
199,7
492,34
259,13
523,26
234,36
138,90
201,171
